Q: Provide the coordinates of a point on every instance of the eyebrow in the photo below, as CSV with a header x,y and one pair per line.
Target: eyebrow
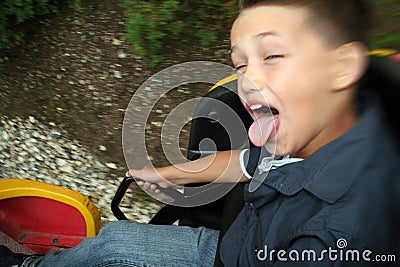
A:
x,y
267,33
258,36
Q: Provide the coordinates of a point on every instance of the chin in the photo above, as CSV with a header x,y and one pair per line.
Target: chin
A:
x,y
272,148
277,149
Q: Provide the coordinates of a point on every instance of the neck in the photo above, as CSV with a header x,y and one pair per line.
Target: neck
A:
x,y
339,125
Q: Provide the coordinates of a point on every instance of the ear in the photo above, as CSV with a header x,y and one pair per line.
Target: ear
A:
x,y
349,65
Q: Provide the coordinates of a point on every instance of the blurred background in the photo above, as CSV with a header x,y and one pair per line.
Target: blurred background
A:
x,y
68,69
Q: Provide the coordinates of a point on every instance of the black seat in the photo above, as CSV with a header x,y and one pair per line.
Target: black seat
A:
x,y
210,125
213,114
210,122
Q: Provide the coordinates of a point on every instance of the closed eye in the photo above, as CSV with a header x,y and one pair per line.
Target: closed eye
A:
x,y
274,57
240,67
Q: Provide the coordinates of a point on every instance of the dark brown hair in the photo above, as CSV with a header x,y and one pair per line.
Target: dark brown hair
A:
x,y
340,21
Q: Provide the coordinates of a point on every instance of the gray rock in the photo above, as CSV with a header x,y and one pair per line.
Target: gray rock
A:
x,y
67,169
32,119
61,162
111,165
121,54
117,74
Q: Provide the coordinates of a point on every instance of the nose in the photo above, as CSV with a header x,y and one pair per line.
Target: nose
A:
x,y
252,79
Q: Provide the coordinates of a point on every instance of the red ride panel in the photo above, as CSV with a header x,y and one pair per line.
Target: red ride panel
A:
x,y
41,224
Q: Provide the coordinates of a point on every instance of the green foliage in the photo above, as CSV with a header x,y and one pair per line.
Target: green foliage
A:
x,y
13,13
386,24
151,25
75,4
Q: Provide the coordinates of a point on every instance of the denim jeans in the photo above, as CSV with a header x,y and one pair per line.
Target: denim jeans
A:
x,y
133,244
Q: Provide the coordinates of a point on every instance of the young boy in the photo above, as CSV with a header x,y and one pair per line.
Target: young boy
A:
x,y
338,206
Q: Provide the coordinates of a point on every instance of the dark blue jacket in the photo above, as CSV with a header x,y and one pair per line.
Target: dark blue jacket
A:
x,y
344,197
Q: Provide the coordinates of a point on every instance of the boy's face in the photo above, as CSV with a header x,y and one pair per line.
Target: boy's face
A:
x,y
284,65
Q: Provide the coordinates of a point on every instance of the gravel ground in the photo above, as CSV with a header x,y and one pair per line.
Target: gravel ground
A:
x,y
41,152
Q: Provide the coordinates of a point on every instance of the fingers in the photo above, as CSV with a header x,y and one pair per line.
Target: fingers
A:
x,y
154,188
149,186
145,185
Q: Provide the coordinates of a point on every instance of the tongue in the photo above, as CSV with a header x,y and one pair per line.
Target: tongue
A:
x,y
261,130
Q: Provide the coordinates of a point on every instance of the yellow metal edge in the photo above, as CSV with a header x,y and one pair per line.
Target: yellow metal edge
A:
x,y
224,81
383,52
10,188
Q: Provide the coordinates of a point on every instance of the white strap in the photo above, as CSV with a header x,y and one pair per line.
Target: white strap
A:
x,y
268,163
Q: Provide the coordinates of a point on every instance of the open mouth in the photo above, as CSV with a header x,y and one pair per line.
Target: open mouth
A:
x,y
266,123
260,110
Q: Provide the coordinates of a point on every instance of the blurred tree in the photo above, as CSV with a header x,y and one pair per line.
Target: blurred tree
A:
x,y
153,24
14,13
386,24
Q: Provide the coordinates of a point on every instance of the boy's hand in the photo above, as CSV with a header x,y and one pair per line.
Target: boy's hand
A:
x,y
151,178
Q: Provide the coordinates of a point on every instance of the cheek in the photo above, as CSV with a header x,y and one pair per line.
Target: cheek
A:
x,y
303,85
303,98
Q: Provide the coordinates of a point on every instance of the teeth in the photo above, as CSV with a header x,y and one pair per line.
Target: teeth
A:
x,y
255,107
